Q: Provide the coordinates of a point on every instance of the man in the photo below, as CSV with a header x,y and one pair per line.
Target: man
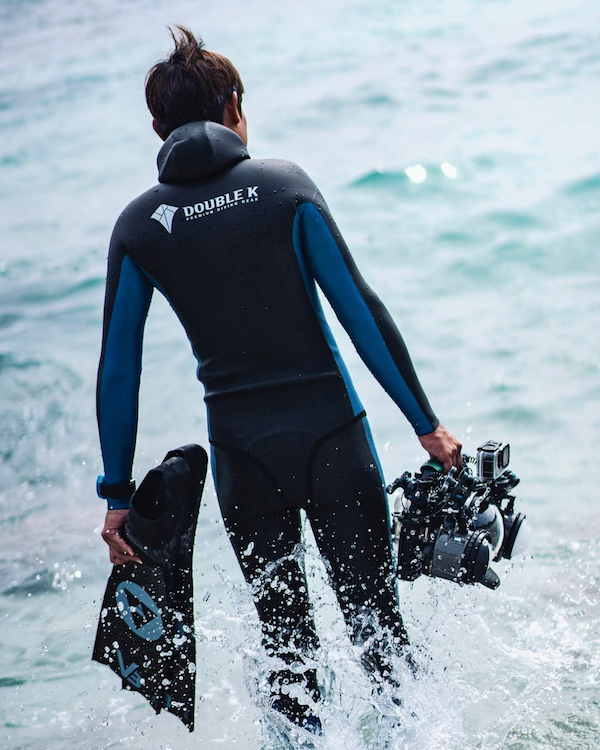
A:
x,y
236,246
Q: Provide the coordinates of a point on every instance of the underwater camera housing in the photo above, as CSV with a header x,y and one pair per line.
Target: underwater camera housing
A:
x,y
452,525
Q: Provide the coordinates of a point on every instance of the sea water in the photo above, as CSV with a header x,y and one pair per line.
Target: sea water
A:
x,y
457,145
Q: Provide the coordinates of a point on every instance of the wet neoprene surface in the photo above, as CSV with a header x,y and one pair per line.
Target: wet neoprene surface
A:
x,y
237,246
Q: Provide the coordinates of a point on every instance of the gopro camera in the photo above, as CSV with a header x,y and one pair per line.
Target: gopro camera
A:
x,y
492,459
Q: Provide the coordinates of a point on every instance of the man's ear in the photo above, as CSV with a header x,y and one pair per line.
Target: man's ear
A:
x,y
156,130
231,113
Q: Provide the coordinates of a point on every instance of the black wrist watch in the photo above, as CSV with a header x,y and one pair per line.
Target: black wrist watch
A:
x,y
118,491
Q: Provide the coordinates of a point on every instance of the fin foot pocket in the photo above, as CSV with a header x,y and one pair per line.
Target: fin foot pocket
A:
x,y
146,627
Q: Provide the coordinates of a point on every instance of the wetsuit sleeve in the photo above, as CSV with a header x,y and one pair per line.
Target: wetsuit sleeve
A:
x,y
128,296
361,312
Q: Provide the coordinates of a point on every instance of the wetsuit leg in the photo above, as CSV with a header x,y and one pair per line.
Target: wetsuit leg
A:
x,y
267,550
349,519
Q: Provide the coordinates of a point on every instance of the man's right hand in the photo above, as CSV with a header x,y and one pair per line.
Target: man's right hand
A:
x,y
445,447
120,551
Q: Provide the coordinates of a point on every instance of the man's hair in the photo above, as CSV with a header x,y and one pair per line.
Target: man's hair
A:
x,y
191,84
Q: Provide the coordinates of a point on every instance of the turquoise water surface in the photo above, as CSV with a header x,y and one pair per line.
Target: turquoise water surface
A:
x,y
457,145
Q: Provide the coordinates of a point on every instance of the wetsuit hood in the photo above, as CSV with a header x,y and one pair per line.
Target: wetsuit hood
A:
x,y
197,150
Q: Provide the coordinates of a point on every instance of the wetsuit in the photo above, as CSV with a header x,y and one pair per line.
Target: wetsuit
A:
x,y
236,246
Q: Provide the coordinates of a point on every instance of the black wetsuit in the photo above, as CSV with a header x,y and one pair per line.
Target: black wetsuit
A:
x,y
236,246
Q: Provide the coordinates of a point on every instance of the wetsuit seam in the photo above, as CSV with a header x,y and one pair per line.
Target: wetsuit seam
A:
x,y
365,301
272,385
313,297
362,296
318,444
256,461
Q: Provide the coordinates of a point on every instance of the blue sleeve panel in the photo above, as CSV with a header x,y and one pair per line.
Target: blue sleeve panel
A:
x,y
128,297
363,315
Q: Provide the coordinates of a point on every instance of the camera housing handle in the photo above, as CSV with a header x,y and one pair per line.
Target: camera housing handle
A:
x,y
433,464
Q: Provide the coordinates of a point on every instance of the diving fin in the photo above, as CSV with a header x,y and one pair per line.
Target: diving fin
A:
x,y
146,627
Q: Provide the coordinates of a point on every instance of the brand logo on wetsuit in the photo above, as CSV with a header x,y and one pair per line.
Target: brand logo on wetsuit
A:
x,y
164,215
221,202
